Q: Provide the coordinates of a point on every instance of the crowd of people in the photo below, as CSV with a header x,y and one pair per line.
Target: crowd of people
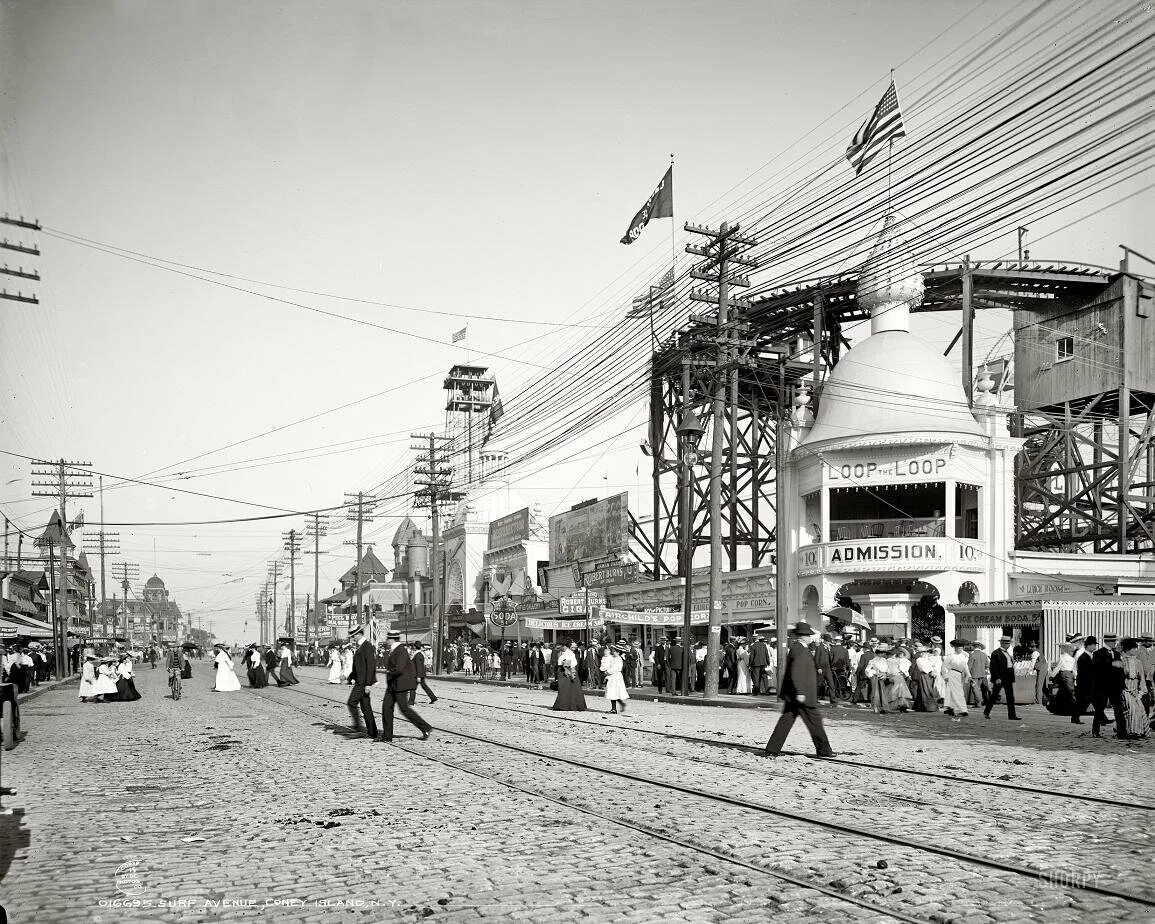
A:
x,y
109,679
26,665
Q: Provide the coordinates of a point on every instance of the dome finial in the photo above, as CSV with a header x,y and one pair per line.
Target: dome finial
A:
x,y
890,281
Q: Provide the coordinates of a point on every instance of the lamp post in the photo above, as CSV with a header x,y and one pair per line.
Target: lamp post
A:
x,y
690,431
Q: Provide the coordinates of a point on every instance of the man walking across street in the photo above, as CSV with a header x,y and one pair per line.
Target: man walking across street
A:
x,y
419,671
799,695
1002,678
363,676
401,677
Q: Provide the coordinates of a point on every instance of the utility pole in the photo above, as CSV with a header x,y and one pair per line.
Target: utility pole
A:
x,y
363,502
318,528
722,266
104,544
19,247
68,480
435,488
128,572
274,576
293,547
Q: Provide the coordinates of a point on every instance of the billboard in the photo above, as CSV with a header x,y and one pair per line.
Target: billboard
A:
x,y
509,529
594,530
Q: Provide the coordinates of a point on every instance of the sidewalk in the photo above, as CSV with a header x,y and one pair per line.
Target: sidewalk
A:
x,y
646,693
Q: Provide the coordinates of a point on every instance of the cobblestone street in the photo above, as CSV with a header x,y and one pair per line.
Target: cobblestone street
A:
x,y
259,803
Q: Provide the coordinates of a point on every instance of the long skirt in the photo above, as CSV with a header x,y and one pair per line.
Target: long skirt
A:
x,y
955,697
862,690
287,676
1063,700
569,695
249,673
925,697
616,688
186,671
259,677
900,690
1137,722
122,694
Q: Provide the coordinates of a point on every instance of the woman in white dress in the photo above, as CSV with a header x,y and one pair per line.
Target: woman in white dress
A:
x,y
346,662
104,690
611,666
954,679
743,656
88,680
467,663
226,680
334,665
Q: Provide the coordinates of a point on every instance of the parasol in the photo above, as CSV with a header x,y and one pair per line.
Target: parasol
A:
x,y
845,615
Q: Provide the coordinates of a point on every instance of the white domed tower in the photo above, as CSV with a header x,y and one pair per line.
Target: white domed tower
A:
x,y
900,483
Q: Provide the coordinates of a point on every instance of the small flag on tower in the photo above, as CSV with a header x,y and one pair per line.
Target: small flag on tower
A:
x,y
458,336
659,205
877,132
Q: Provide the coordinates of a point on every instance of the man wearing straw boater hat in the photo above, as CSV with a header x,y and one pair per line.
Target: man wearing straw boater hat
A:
x,y
364,675
402,677
799,695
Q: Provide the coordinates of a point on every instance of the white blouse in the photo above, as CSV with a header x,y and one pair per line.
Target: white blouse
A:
x,y
611,664
567,659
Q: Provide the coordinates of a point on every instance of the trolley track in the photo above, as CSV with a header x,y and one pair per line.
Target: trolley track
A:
x,y
890,768
825,824
695,848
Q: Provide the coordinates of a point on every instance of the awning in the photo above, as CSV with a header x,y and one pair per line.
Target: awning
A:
x,y
13,624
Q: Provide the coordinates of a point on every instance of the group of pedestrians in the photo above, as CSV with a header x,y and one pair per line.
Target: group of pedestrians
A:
x,y
25,665
611,666
404,669
266,662
110,679
1115,674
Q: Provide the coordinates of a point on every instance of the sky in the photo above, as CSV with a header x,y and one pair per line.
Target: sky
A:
x,y
479,159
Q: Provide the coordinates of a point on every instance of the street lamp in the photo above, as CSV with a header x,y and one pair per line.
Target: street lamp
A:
x,y
689,432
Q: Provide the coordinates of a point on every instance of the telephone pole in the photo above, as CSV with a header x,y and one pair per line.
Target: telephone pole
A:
x,y
128,572
274,576
363,502
19,272
318,528
61,480
435,489
722,266
106,545
293,547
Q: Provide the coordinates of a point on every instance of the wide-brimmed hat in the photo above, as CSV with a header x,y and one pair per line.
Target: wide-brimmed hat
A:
x,y
802,628
958,642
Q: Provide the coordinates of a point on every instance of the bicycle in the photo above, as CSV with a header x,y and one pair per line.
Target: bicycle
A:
x,y
174,682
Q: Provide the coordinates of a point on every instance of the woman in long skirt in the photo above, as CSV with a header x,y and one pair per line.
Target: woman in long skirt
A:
x,y
334,665
104,690
257,668
225,681
955,679
288,678
125,682
611,667
1063,675
88,680
346,662
742,655
897,666
878,673
1133,686
922,682
569,689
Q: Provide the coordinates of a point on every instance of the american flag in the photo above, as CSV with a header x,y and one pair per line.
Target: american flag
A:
x,y
876,133
460,335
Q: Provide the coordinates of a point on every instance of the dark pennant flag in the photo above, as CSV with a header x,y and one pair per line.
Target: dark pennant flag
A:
x,y
659,205
876,133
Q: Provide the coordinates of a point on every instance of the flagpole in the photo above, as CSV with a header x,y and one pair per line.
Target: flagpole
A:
x,y
890,150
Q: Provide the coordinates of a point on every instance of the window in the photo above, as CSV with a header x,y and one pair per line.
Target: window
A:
x,y
1064,348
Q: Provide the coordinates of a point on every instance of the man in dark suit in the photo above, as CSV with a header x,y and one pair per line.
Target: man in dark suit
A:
x,y
1002,678
364,675
1107,687
759,661
661,656
401,677
554,654
1084,672
840,665
675,664
824,664
730,665
799,695
418,658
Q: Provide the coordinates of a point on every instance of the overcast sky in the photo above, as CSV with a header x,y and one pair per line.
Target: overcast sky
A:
x,y
480,158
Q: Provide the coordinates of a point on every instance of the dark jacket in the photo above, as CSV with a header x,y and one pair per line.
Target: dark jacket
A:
x,y
800,676
676,659
839,657
1002,666
760,654
822,657
399,670
1084,672
729,656
1106,675
419,664
364,665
